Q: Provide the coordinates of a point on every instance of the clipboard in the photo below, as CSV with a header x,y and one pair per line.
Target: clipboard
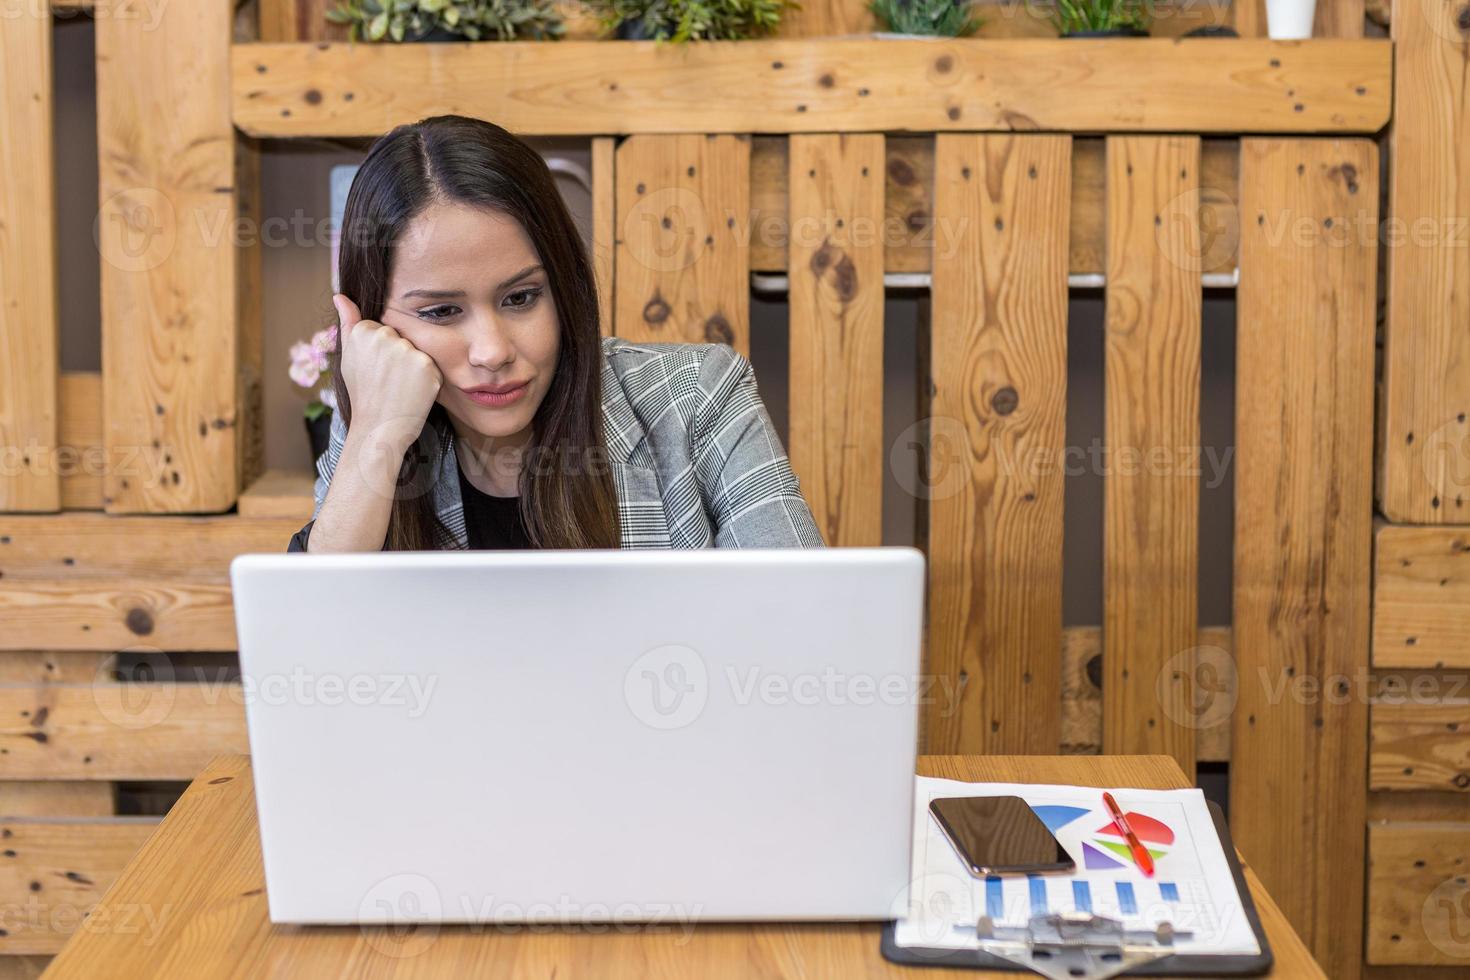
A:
x,y
1175,964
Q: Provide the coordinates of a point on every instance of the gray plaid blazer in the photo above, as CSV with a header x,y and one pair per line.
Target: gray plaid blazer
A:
x,y
696,462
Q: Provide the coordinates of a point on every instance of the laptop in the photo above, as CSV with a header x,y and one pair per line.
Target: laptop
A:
x,y
583,736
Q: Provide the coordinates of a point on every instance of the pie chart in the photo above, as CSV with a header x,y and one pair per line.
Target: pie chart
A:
x,y
1108,840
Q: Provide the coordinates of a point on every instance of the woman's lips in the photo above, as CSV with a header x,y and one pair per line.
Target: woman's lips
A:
x,y
496,399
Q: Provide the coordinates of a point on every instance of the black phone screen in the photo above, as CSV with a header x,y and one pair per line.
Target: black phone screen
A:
x,y
999,835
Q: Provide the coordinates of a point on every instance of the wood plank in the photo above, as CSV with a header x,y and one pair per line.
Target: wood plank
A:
x,y
68,614
1421,596
1303,511
78,546
170,347
119,731
1424,457
299,20
205,863
839,84
1417,893
911,233
30,478
604,227
23,967
836,333
54,873
1423,746
827,18
249,317
80,455
1151,490
998,380
53,667
1214,688
683,253
51,798
284,494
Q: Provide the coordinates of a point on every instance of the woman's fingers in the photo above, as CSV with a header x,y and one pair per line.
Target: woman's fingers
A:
x,y
348,315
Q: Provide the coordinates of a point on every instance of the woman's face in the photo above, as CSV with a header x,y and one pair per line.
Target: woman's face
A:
x,y
467,288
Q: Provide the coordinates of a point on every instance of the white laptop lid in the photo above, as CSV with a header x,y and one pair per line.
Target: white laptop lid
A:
x,y
583,736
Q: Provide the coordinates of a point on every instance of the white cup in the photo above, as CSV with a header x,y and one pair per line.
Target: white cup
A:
x,y
1290,20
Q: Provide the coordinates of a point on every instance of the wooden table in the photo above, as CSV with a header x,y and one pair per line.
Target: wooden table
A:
x,y
200,877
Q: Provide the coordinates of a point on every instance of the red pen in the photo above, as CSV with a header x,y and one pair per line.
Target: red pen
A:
x,y
1141,856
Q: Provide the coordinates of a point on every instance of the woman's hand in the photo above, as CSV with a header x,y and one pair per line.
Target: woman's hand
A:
x,y
391,383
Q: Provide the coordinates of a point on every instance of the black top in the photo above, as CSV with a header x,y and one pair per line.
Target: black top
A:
x,y
489,522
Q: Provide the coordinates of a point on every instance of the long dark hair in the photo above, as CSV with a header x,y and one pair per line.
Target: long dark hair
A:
x,y
567,497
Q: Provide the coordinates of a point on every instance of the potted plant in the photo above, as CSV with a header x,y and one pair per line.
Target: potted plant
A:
x,y
308,368
1102,18
689,20
934,18
449,20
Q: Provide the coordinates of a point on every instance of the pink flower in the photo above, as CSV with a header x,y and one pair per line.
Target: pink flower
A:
x,y
324,342
305,368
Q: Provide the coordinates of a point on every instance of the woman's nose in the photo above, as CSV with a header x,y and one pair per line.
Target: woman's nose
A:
x,y
490,346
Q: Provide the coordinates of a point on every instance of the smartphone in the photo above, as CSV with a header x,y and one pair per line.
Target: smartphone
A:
x,y
996,835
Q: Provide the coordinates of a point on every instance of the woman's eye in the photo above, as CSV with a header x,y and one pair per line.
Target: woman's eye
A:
x,y
442,312
523,300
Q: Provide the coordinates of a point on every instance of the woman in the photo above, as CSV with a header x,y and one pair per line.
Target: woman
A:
x,y
478,405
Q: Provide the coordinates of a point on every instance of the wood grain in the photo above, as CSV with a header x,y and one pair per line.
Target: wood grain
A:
x,y
1303,512
836,333
80,455
282,494
29,346
166,227
838,84
205,866
991,474
1151,425
1421,596
604,227
54,798
54,872
1418,893
911,235
683,211
1424,455
1420,746
1214,688
119,731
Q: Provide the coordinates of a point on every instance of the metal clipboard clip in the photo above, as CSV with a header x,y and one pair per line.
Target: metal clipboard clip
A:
x,y
1068,945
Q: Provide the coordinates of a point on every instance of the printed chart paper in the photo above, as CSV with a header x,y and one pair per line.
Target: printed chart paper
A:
x,y
1192,886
